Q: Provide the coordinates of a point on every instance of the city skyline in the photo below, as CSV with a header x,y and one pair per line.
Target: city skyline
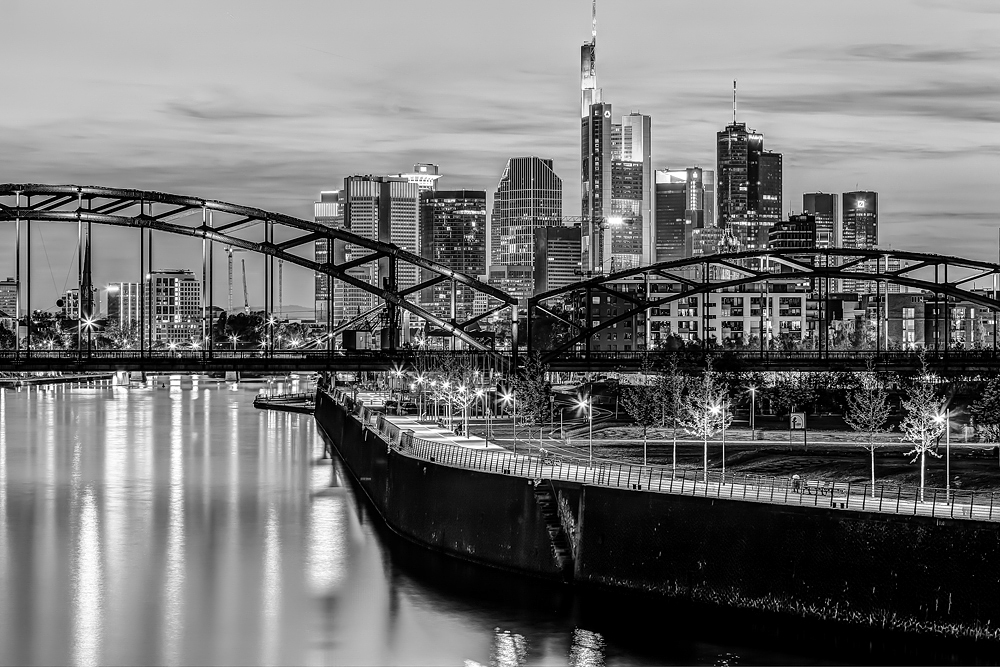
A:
x,y
850,109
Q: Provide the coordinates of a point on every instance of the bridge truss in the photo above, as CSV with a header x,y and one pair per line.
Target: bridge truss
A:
x,y
570,307
273,235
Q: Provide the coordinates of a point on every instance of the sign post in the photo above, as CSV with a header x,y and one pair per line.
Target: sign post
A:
x,y
797,422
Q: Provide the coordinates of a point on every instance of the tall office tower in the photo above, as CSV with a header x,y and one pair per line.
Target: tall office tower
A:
x,y
681,207
859,229
8,299
631,244
176,306
452,233
860,225
329,212
529,195
769,212
596,186
123,303
387,209
796,233
749,185
824,207
425,175
557,257
708,183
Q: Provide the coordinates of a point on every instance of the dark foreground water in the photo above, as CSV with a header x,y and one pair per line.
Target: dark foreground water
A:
x,y
181,526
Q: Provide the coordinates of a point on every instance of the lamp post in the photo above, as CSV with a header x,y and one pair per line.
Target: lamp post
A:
x,y
511,399
234,338
588,405
420,390
753,396
714,410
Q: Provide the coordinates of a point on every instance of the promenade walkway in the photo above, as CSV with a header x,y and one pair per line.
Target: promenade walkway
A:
x,y
407,436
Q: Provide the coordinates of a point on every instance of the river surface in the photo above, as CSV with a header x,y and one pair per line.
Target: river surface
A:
x,y
179,525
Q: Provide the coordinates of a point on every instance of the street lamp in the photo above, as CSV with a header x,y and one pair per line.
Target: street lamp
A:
x,y
234,338
753,396
588,405
714,410
510,398
946,420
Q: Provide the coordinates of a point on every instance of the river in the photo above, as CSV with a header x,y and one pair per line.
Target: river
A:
x,y
179,525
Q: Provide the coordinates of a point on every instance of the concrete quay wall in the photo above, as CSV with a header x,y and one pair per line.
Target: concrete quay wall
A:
x,y
939,576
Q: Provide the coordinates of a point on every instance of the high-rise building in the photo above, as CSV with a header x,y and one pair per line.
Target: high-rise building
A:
x,y
425,176
630,223
123,305
682,205
528,196
749,185
8,298
453,233
387,209
557,257
860,220
824,207
175,310
796,233
769,211
329,212
596,184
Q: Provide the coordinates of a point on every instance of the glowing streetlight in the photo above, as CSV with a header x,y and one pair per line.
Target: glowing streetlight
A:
x,y
588,405
509,398
713,410
234,339
753,396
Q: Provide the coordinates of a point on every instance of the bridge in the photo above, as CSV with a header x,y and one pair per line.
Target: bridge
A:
x,y
559,324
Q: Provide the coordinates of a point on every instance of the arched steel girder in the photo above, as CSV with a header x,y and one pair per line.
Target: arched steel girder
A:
x,y
66,203
791,259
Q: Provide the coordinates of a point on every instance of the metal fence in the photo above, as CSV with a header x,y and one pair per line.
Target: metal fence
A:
x,y
880,498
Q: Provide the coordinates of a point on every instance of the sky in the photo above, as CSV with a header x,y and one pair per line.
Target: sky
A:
x,y
268,103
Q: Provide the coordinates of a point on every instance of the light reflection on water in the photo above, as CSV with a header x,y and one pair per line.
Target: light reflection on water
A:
x,y
179,525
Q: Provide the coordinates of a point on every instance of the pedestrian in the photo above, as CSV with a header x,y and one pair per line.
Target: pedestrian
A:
x,y
796,484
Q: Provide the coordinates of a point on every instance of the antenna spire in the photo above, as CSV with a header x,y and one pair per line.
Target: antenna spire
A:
x,y
594,22
734,97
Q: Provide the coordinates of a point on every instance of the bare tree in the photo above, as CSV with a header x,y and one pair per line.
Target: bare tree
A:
x,y
703,414
922,424
671,387
868,412
641,402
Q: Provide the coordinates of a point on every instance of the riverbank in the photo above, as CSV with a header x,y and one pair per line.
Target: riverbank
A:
x,y
31,379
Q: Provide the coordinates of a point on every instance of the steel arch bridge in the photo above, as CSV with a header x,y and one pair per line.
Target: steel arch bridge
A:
x,y
242,227
735,271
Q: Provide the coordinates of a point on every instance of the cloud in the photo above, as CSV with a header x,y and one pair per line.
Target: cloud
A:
x,y
909,54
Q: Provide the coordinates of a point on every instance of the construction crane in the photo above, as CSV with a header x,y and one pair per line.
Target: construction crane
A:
x,y
246,298
229,251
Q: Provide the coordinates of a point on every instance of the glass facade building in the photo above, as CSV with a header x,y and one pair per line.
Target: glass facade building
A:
x,y
452,233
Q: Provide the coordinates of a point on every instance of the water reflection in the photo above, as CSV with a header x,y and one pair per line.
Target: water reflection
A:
x,y
179,525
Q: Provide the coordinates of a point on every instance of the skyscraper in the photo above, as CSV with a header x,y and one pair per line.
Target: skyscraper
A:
x,y
824,207
175,310
557,257
453,233
123,303
683,198
384,209
860,226
529,195
629,224
329,212
425,175
796,233
749,183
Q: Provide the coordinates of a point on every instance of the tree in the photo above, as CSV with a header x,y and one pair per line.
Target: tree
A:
x,y
531,391
986,412
922,424
671,386
703,412
789,392
641,402
8,339
868,411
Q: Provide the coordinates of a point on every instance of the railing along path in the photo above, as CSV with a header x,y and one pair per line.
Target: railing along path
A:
x,y
880,498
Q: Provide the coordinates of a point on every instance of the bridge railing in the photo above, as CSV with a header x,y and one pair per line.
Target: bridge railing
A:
x,y
811,492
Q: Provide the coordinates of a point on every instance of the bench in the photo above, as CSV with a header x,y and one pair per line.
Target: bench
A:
x,y
815,488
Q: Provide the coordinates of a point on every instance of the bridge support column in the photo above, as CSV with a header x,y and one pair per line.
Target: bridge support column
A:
x,y
17,281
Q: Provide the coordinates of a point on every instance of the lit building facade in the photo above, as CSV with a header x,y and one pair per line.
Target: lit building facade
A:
x,y
682,198
453,233
796,233
823,206
124,303
8,299
329,212
749,185
528,196
173,306
557,257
